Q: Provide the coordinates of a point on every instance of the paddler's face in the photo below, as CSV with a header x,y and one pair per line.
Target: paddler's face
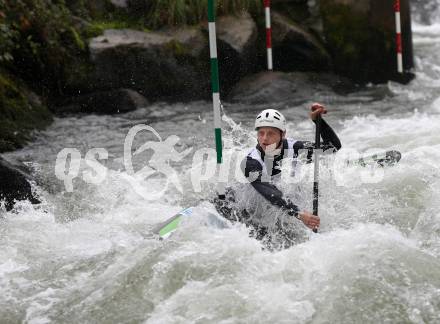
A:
x,y
269,137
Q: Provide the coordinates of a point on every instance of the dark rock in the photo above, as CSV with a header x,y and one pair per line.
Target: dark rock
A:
x,y
239,32
104,102
96,8
360,36
170,64
120,3
295,87
298,11
295,49
14,185
236,41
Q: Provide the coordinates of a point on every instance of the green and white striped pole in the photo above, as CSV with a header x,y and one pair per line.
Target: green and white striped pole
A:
x,y
215,91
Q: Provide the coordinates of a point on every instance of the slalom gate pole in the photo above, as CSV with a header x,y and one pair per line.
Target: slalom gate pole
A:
x,y
268,35
398,37
316,173
215,84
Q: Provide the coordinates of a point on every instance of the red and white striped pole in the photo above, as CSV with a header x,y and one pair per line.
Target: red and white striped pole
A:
x,y
398,37
268,35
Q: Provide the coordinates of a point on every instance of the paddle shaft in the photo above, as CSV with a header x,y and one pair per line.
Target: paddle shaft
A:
x,y
316,173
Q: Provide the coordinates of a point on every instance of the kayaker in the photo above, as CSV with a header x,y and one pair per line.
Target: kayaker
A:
x,y
262,164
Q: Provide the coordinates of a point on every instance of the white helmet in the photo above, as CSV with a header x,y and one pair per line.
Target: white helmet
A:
x,y
271,118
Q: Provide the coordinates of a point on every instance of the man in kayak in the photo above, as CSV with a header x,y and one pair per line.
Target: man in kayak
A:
x,y
262,164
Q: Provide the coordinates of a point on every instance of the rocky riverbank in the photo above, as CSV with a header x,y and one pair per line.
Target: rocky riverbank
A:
x,y
109,57
79,58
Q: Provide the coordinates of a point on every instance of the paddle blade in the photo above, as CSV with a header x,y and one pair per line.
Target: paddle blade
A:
x,y
165,229
388,158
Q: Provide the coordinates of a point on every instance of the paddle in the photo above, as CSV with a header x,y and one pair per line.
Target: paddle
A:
x,y
383,159
165,229
316,173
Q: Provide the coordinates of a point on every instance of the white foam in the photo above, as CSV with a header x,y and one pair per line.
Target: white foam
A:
x,y
432,30
435,107
89,256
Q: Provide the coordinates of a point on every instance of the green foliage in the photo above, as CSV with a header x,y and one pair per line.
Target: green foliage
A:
x,y
159,13
91,9
93,30
18,115
7,42
176,48
98,26
77,39
38,39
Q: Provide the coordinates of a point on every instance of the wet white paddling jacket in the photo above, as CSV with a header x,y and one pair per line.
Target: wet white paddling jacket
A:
x,y
261,169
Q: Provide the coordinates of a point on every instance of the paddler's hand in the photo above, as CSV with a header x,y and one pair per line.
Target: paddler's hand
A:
x,y
310,220
317,109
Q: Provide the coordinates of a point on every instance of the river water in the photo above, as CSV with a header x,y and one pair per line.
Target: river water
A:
x,y
89,255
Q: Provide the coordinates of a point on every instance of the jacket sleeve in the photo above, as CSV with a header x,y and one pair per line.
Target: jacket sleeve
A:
x,y
329,138
253,171
330,142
